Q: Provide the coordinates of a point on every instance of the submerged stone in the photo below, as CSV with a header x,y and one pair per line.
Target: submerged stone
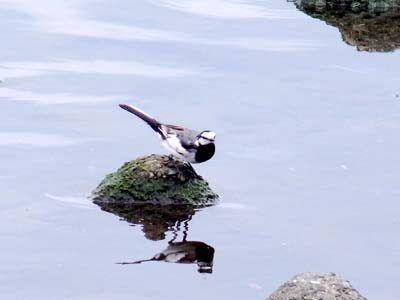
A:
x,y
311,286
156,180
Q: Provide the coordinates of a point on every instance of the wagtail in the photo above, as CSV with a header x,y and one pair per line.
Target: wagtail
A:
x,y
187,144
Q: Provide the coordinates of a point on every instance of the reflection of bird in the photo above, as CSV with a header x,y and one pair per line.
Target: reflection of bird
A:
x,y
185,252
189,145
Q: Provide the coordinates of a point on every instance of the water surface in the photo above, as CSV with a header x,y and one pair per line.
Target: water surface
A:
x,y
307,152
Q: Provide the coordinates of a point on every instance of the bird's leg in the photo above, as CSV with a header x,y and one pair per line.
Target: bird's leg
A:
x,y
176,167
186,163
183,162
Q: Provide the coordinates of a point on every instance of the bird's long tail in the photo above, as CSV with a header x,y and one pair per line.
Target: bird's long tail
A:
x,y
144,116
135,262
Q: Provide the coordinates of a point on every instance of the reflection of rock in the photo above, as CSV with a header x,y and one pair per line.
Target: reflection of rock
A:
x,y
161,194
370,25
325,286
155,179
155,220
185,252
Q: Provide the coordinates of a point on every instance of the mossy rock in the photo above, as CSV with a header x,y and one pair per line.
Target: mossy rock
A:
x,y
155,179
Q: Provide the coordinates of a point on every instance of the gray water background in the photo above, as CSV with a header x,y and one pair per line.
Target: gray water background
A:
x,y
307,163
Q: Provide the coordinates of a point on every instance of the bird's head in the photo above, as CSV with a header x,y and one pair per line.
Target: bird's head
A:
x,y
206,137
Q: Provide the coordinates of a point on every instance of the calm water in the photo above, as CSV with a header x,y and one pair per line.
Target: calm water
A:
x,y
307,163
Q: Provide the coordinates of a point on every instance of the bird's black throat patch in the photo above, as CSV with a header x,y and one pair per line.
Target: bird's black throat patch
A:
x,y
205,152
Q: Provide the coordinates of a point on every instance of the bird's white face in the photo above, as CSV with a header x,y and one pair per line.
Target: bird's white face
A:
x,y
206,137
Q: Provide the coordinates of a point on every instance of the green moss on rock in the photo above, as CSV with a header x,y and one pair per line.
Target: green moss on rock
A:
x,y
155,179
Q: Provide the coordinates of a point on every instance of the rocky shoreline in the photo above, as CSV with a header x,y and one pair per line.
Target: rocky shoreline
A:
x,y
369,25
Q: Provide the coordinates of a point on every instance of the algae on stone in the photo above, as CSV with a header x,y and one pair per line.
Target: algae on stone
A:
x,y
155,179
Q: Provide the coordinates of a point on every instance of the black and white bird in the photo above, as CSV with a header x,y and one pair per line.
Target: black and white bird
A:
x,y
189,145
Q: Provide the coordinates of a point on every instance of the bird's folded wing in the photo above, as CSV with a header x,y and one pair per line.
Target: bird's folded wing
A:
x,y
188,145
175,127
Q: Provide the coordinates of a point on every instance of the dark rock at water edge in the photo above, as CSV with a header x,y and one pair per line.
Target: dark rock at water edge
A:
x,y
369,25
155,179
316,286
340,7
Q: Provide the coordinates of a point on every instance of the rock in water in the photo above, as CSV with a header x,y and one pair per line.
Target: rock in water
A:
x,y
155,179
316,286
